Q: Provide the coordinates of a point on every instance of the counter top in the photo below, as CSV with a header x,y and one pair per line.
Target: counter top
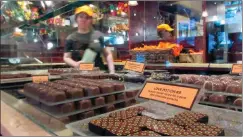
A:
x,y
15,124
19,118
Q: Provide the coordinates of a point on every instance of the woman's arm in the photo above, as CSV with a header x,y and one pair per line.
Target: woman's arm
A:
x,y
67,57
109,60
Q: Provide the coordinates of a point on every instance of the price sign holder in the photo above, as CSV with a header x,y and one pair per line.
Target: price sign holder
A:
x,y
236,69
178,95
40,78
86,66
134,66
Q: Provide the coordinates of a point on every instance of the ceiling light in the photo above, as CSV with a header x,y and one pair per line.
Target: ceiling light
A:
x,y
49,3
18,30
215,18
215,3
222,22
91,5
135,14
35,40
205,13
49,45
132,3
136,34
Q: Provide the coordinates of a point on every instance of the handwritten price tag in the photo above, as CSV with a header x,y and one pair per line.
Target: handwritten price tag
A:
x,y
134,66
38,79
180,96
86,66
236,69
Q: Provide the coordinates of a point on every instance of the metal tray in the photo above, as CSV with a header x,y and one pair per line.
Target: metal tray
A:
x,y
220,117
223,93
55,114
220,105
128,87
27,79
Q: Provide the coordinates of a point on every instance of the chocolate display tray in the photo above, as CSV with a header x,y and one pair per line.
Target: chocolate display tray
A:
x,y
221,105
57,115
128,87
27,79
223,93
230,121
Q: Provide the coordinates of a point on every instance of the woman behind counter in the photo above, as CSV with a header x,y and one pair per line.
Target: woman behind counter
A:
x,y
88,40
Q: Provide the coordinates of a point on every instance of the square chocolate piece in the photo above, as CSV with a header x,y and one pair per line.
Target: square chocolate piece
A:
x,y
145,133
121,129
98,125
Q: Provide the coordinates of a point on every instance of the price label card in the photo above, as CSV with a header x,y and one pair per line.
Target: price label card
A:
x,y
236,69
176,95
41,78
134,66
86,66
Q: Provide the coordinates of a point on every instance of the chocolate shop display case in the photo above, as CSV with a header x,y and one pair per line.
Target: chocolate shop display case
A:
x,y
200,51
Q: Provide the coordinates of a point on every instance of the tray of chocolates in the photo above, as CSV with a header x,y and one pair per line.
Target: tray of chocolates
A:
x,y
201,121
74,108
77,89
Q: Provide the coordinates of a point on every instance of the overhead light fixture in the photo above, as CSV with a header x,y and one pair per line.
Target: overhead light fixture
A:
x,y
132,3
205,13
91,5
136,34
134,14
215,3
215,18
222,22
4,1
49,45
49,3
18,30
35,40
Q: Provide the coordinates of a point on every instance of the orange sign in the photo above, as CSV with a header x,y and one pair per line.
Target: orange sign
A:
x,y
134,66
236,69
38,79
86,66
180,96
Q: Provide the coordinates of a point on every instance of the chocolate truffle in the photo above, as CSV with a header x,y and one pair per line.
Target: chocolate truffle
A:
x,y
88,114
67,108
130,94
55,96
215,98
110,99
121,96
238,102
74,93
99,101
85,104
108,108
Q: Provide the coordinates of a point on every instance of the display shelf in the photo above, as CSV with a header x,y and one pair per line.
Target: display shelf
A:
x,y
216,117
128,87
28,79
223,93
63,115
220,105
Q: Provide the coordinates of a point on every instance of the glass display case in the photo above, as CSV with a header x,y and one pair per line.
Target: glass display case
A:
x,y
174,40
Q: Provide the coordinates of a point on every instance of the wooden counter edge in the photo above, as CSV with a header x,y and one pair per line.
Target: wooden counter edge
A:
x,y
14,123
